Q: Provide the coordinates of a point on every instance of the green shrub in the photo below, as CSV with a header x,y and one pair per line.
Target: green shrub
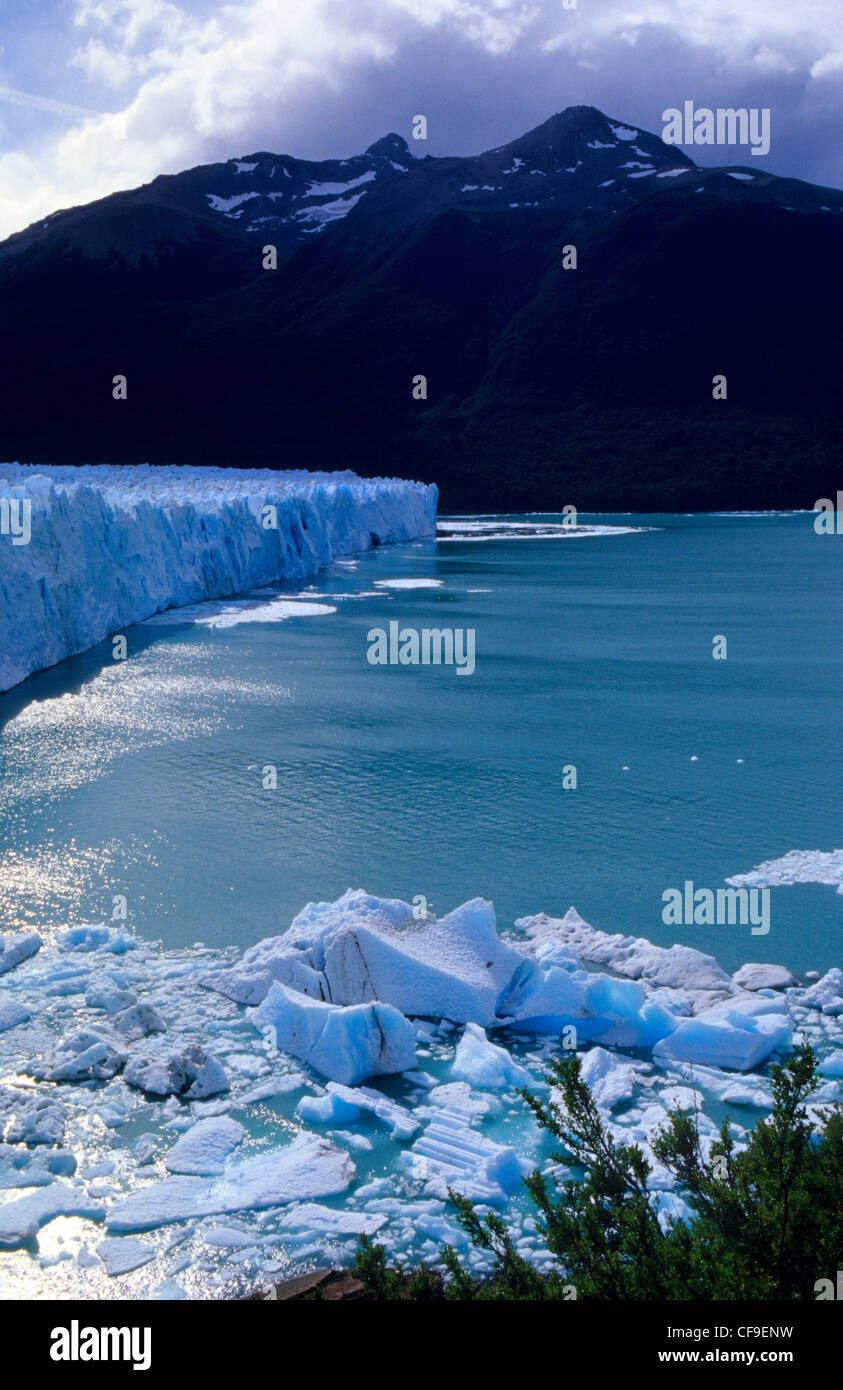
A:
x,y
767,1222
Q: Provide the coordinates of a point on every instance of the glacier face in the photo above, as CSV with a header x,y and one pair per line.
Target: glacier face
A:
x,y
111,545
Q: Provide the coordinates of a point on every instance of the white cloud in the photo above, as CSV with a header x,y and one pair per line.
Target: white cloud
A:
x,y
39,103
828,65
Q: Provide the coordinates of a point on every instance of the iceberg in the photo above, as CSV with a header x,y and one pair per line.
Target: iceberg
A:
x,y
361,949
27,1117
192,1073
345,1044
204,1148
109,546
307,1167
89,1054
679,967
552,991
365,951
21,1219
448,1154
827,993
400,1122
17,947
453,968
484,1064
736,1036
611,1079
12,1013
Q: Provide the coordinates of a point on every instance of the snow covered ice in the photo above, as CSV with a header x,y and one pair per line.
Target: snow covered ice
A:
x,y
250,1113
112,545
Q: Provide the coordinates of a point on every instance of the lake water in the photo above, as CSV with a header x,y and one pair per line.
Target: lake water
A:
x,y
142,781
144,778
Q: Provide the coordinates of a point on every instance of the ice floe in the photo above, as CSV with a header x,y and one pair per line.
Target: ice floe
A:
x,y
307,1167
798,866
346,1043
343,1075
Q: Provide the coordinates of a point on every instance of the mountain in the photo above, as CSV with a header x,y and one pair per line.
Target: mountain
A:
x,y
545,385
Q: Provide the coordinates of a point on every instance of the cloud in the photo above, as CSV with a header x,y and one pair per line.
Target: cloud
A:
x,y
196,80
38,103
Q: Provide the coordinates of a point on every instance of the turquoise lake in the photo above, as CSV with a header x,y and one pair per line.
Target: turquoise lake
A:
x,y
144,778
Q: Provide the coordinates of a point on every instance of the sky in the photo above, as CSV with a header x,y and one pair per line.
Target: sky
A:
x,y
99,95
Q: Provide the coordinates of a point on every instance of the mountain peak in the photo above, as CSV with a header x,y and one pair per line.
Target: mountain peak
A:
x,y
392,146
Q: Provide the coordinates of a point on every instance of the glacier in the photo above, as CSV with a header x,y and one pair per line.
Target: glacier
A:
x,y
86,551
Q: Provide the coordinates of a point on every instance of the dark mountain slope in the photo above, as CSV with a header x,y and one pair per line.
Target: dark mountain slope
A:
x,y
545,385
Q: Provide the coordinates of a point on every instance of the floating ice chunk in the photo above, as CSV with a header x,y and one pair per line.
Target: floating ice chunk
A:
x,y
106,992
138,1021
308,1167
679,967
739,1093
94,939
736,1036
669,1206
441,1231
144,1149
833,1065
752,976
327,1110
83,939
612,1079
352,1139
827,993
12,1013
682,1098
449,1154
90,1054
273,1086
274,611
22,1218
484,1064
192,1073
16,947
545,997
401,1122
409,583
21,1167
122,1254
204,1148
458,1097
313,1219
30,1119
227,1237
798,866
270,960
344,1043
453,968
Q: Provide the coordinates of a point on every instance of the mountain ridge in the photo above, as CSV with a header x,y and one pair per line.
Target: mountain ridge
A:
x,y
540,379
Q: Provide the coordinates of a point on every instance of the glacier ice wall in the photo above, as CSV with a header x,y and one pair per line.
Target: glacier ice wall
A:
x,y
112,545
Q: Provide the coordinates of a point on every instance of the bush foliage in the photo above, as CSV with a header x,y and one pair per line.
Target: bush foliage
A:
x,y
766,1223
